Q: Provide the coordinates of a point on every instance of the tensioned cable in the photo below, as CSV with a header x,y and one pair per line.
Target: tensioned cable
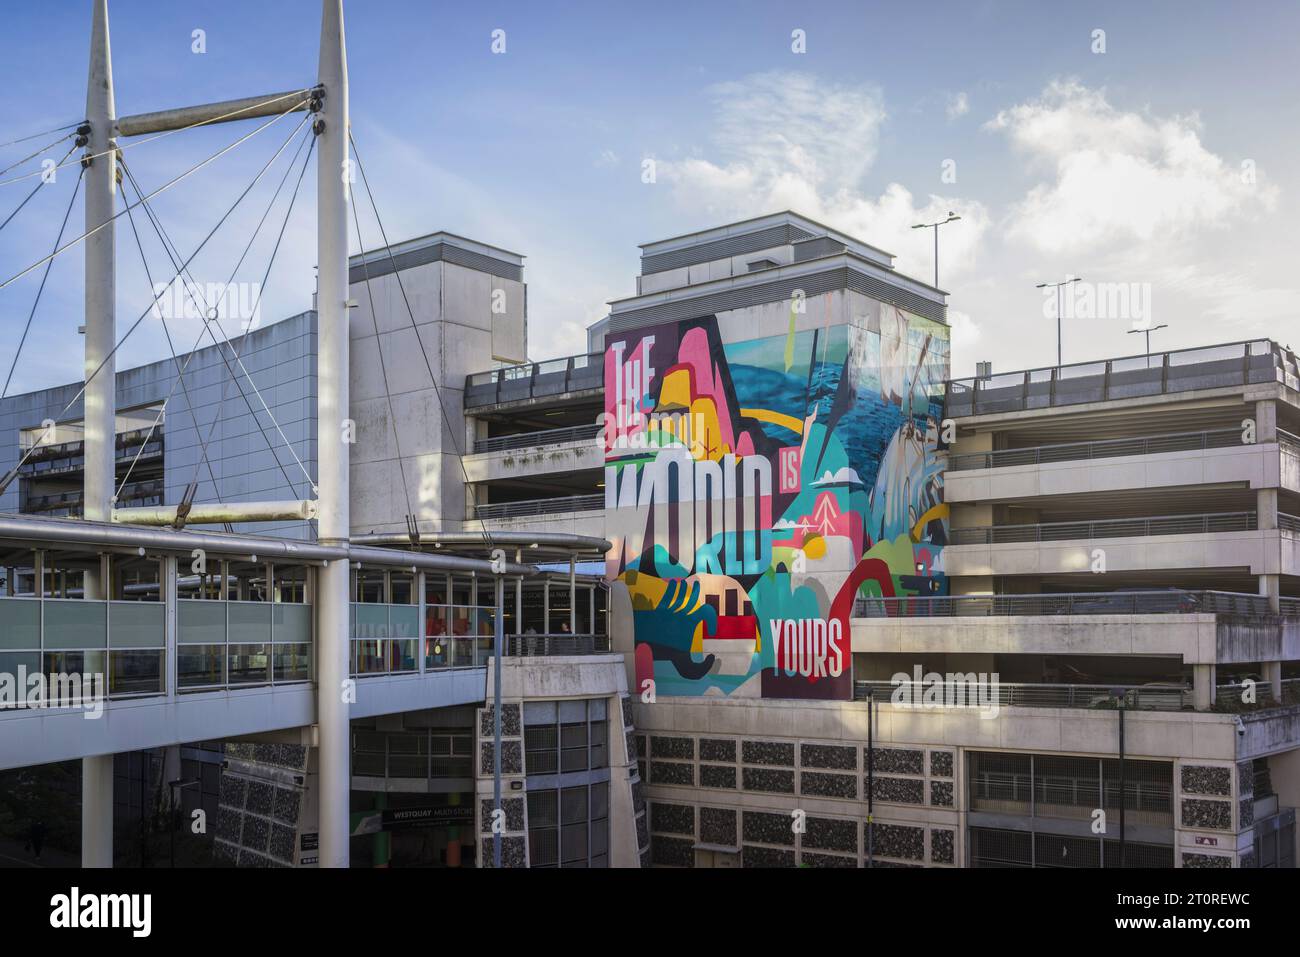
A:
x,y
41,288
27,199
383,369
148,309
57,129
180,377
160,189
38,153
265,276
397,273
192,126
210,318
181,368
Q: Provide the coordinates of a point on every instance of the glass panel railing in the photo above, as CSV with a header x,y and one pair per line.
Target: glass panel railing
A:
x,y
70,623
290,662
19,664
369,621
20,623
248,664
403,621
136,624
291,623
249,622
136,672
201,622
200,666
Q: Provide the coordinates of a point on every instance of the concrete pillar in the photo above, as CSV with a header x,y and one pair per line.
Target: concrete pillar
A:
x,y
333,686
1203,682
1271,671
1266,508
100,398
1270,586
97,811
573,597
1266,420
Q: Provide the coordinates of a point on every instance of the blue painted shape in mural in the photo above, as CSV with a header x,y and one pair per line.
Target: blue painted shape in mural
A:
x,y
774,597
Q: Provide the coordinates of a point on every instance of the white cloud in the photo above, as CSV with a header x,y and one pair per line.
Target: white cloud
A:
x,y
607,157
1118,176
792,141
958,105
965,332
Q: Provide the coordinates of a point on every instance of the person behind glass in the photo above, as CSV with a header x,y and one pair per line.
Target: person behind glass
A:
x,y
36,837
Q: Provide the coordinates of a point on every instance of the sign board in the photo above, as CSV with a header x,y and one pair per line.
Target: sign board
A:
x,y
442,815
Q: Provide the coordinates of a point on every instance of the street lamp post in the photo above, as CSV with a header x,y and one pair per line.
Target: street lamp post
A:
x,y
1057,286
175,786
952,218
1148,330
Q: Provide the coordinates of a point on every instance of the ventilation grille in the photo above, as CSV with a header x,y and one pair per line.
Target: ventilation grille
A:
x,y
438,252
723,248
757,295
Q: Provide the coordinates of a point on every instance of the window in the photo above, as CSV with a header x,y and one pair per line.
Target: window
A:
x,y
566,755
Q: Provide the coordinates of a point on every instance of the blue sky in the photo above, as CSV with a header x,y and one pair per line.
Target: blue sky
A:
x,y
1123,166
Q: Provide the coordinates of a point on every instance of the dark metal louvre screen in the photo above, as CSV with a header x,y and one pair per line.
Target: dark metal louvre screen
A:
x,y
812,285
723,248
438,252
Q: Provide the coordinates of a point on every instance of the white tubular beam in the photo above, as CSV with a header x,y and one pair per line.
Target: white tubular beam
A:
x,y
227,111
100,400
332,409
217,513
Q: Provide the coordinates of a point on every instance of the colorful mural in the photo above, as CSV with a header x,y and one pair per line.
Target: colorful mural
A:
x,y
754,489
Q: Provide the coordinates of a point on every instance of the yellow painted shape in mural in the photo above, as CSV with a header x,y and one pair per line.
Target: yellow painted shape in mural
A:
x,y
675,391
646,591
697,639
776,418
814,547
935,511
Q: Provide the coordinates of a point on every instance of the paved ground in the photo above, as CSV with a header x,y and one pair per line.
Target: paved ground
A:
x,y
12,854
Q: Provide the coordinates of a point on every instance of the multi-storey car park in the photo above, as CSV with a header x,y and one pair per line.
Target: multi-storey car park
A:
x,y
752,582
1098,546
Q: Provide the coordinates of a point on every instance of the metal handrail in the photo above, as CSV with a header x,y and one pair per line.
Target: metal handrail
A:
x,y
541,506
473,651
524,440
1205,367
1026,695
1165,602
550,377
1103,448
1288,523
1107,528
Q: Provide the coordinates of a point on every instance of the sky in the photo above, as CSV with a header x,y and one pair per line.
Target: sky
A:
x,y
1147,148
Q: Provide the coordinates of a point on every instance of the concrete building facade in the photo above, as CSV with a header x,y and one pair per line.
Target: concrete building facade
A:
x,y
781,591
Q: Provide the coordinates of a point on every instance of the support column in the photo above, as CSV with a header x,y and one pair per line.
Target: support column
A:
x,y
333,690
573,598
519,595
1266,520
100,398
1203,682
1271,671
